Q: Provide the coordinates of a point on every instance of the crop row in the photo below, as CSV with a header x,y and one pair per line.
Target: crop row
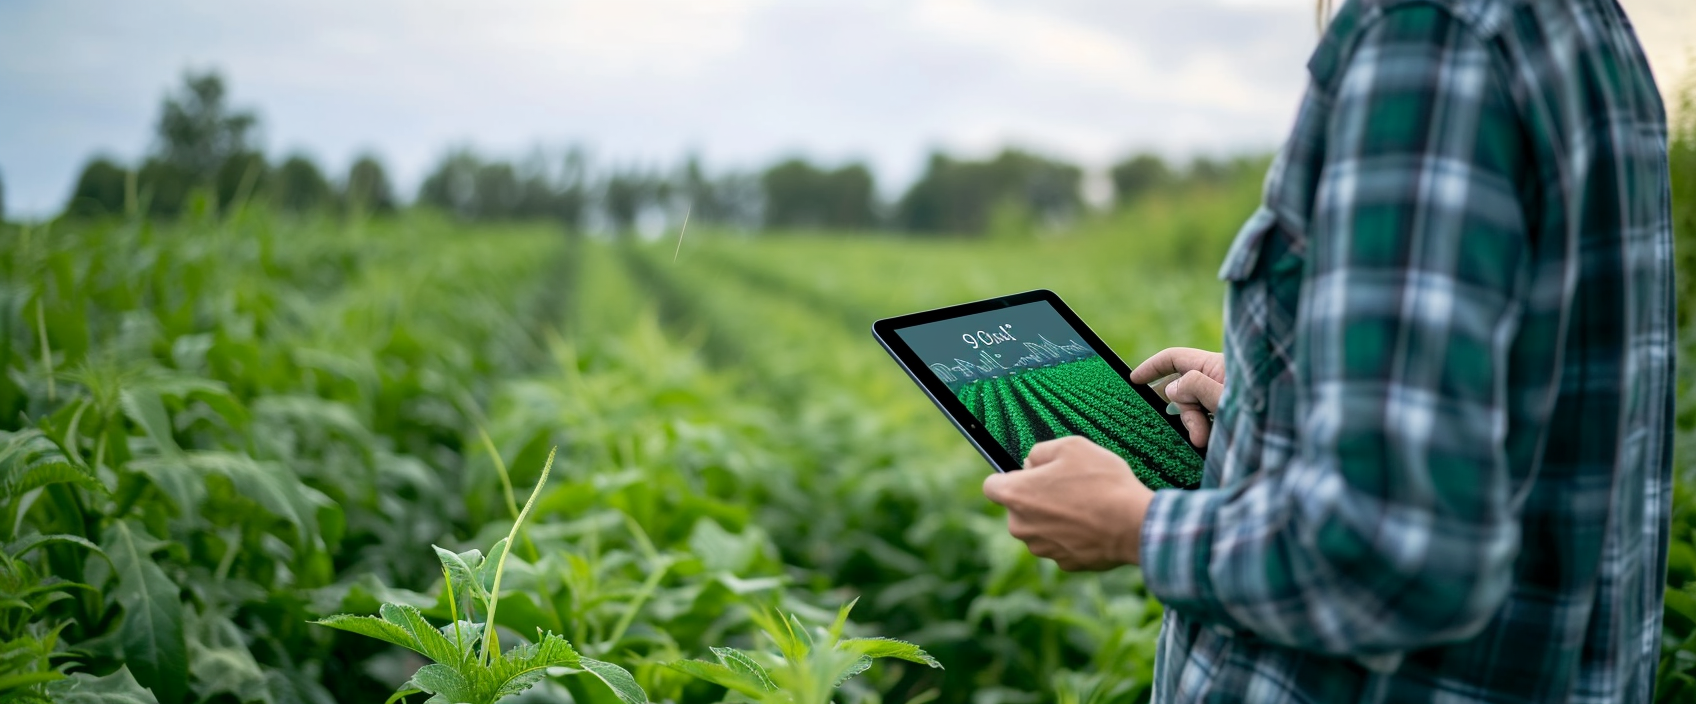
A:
x,y
1040,404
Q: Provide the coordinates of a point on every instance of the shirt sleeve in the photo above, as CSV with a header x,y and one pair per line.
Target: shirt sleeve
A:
x,y
1393,526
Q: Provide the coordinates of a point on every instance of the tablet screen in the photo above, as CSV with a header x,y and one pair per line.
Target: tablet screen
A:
x,y
1028,376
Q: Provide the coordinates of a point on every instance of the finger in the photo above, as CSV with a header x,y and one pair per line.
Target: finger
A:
x,y
1195,388
1020,530
1042,547
1172,360
998,488
1195,420
1049,450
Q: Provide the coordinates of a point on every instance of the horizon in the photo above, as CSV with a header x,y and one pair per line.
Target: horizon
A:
x,y
741,83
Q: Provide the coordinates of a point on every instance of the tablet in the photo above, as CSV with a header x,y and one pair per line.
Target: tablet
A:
x,y
1013,371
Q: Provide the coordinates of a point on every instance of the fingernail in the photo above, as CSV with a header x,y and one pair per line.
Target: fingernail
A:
x,y
1172,409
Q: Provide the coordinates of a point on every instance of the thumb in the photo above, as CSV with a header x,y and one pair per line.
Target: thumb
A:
x,y
998,487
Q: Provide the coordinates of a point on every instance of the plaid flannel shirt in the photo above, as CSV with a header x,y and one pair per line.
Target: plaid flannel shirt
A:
x,y
1441,467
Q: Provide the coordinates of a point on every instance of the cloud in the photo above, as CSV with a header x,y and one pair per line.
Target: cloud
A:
x,y
740,82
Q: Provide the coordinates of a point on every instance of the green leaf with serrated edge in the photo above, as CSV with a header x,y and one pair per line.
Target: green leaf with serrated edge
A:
x,y
468,634
519,663
841,620
18,548
429,641
152,632
373,627
740,662
721,676
29,460
119,687
444,681
617,678
406,690
888,648
42,475
854,668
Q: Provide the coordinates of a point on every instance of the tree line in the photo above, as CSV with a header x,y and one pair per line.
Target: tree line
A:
x,y
205,156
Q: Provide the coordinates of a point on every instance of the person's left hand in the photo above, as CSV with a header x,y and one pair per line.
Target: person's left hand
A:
x,y
1075,503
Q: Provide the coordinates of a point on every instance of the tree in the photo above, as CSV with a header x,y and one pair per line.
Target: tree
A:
x,y
241,178
956,196
198,131
623,197
299,186
163,187
1138,175
367,188
798,194
452,186
496,192
99,190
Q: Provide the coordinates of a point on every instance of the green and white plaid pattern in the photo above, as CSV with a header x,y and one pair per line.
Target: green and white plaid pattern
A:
x,y
1441,468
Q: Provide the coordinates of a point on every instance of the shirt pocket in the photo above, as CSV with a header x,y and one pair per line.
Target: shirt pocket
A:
x,y
1244,252
1250,361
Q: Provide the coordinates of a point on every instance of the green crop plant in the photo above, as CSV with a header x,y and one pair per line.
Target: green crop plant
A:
x,y
468,666
811,663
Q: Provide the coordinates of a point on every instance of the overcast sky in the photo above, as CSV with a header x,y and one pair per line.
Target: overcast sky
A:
x,y
740,82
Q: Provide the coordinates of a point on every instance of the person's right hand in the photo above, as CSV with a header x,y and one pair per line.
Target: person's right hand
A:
x,y
1196,392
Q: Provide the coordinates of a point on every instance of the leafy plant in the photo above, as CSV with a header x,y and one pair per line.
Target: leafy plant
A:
x,y
810,665
468,666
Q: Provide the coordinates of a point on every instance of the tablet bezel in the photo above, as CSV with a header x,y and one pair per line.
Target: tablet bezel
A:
x,y
999,458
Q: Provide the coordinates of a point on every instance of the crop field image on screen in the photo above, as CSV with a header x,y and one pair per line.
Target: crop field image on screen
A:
x,y
1025,375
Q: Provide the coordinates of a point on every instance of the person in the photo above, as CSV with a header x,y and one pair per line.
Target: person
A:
x,y
1440,464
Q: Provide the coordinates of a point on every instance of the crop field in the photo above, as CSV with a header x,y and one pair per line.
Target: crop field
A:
x,y
225,439
1028,407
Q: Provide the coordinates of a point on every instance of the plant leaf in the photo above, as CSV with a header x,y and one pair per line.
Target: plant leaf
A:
x,y
841,620
119,687
617,678
888,648
520,667
854,668
373,627
18,548
799,628
486,571
10,683
152,631
462,578
739,661
443,681
426,638
145,408
29,459
721,676
275,489
406,690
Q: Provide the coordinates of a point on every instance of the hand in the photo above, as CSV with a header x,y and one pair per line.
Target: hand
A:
x,y
1196,392
1076,503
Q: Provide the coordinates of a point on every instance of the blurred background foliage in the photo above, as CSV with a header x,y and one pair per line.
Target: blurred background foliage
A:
x,y
205,146
240,394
